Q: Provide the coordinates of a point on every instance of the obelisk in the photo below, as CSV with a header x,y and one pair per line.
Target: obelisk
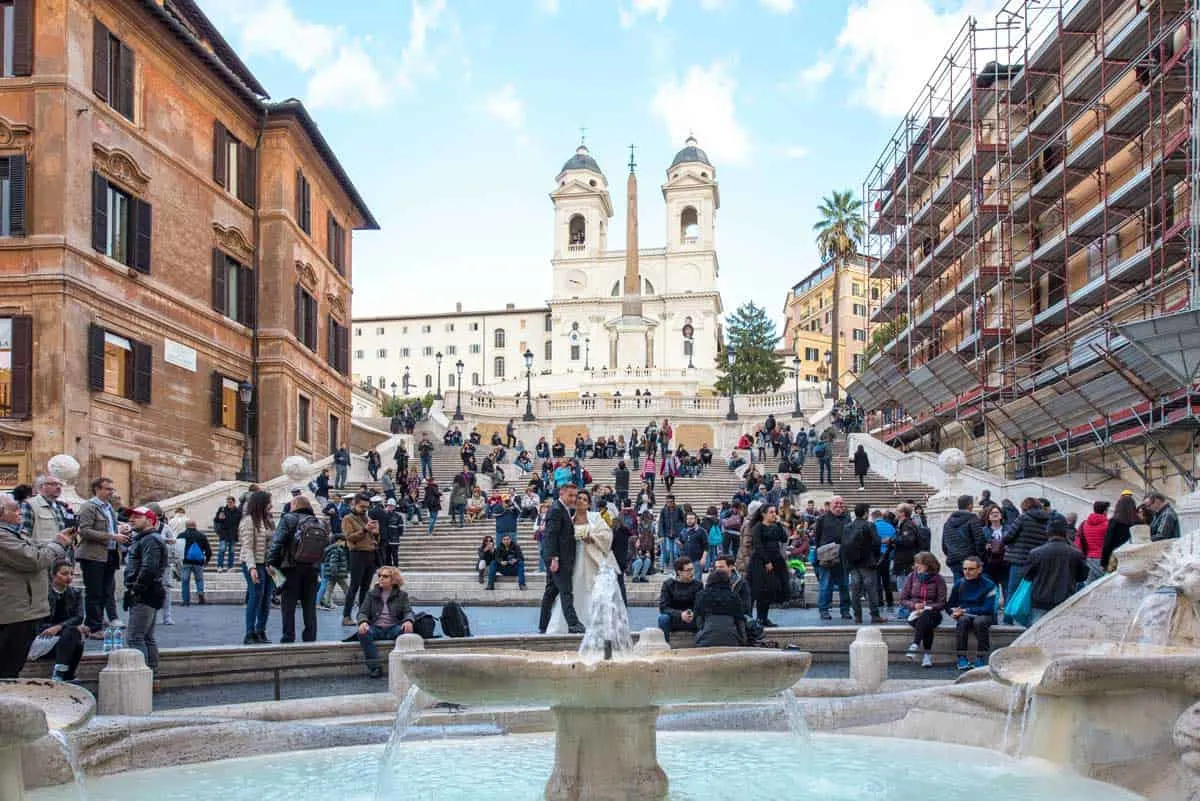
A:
x,y
634,345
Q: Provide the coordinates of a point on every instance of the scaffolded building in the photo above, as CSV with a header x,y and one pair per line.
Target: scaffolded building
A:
x,y
1034,210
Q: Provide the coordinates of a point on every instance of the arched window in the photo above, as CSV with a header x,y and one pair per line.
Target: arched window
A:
x,y
577,230
616,290
498,337
689,226
647,287
498,367
450,378
428,381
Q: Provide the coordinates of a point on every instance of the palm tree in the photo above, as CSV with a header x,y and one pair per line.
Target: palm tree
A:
x,y
840,232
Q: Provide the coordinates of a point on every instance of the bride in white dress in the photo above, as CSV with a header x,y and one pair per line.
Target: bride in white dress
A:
x,y
593,548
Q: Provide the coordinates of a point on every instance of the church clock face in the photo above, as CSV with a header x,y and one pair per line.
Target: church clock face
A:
x,y
576,280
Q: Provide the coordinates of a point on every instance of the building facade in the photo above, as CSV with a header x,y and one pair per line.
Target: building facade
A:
x,y
169,236
574,337
1034,211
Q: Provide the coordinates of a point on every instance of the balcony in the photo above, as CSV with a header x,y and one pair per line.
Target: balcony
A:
x,y
576,249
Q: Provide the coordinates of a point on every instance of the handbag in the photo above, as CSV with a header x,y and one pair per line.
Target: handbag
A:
x,y
1020,605
828,554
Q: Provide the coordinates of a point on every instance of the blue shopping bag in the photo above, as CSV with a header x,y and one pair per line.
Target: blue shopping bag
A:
x,y
1020,605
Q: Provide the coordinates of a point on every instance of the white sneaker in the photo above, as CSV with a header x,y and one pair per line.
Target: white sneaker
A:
x,y
927,661
912,652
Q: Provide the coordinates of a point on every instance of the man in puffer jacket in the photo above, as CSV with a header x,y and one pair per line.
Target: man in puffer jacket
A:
x,y
1027,533
962,536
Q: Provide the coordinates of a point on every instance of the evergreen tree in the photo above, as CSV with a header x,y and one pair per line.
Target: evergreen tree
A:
x,y
756,367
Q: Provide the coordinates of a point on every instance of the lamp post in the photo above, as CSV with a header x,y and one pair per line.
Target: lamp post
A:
x,y
438,357
691,349
393,393
829,373
587,349
796,374
528,386
458,368
404,381
245,395
729,356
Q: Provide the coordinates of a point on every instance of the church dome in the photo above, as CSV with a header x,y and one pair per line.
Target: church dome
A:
x,y
582,160
690,153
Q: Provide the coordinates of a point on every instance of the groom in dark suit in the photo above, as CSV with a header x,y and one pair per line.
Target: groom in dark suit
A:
x,y
559,541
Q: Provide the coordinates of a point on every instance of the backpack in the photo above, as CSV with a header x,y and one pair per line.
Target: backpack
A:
x,y
308,546
425,625
924,538
820,450
716,537
795,486
194,553
454,621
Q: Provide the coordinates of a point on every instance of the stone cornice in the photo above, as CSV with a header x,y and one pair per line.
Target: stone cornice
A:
x,y
120,167
235,242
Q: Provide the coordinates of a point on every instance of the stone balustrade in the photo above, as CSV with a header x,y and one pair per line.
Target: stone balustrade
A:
x,y
700,406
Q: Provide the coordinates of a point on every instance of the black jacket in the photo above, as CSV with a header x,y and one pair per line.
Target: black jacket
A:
x,y
862,463
1117,535
860,545
830,528
621,480
720,614
398,604
225,522
558,537
905,547
962,536
620,542
190,536
676,597
1055,569
1027,533
279,552
146,560
504,556
66,609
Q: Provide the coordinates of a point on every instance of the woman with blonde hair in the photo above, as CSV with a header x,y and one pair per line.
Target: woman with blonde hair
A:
x,y
924,596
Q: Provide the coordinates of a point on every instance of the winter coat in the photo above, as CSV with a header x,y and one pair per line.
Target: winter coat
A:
x,y
1091,535
695,542
358,538
1055,569
1117,535
974,596
192,536
397,603
931,592
254,542
24,570
1165,525
904,547
862,463
336,560
766,549
1027,533
962,536
670,522
146,561
720,614
621,480
66,609
504,556
283,543
225,522
860,545
676,597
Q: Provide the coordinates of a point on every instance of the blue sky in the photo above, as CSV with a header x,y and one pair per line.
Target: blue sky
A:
x,y
454,116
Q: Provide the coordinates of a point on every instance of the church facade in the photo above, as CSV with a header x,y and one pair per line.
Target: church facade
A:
x,y
649,317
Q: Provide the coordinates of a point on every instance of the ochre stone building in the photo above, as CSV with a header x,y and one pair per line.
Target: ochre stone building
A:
x,y
168,234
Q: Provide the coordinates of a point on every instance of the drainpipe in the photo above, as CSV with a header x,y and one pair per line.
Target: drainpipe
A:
x,y
258,283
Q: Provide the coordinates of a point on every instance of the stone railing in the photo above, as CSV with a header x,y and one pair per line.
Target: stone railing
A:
x,y
706,406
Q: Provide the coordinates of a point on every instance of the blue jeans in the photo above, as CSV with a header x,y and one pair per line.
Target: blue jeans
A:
x,y
458,514
225,548
339,476
827,577
426,466
665,623
670,552
517,570
367,641
826,474
258,599
642,565
186,573
433,516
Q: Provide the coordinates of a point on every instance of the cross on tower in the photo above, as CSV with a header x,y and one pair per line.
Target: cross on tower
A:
x,y
583,136
632,159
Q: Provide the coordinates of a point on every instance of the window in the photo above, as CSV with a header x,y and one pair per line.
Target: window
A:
x,y
335,431
337,345
16,366
856,363
498,367
498,337
404,329
521,325
812,355
118,365
812,379
381,353
359,354
226,406
425,329
474,379
689,228
382,382
577,231
450,327
233,164
379,331
475,348
450,380
548,351
335,243
306,319
233,288
452,350
856,289
859,310
121,225
874,293
112,70
16,17
303,203
473,327
428,381
358,332
860,335
427,350
549,324
523,347
404,353
12,193
303,410
574,353
687,347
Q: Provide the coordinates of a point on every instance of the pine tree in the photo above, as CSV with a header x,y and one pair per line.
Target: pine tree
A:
x,y
757,367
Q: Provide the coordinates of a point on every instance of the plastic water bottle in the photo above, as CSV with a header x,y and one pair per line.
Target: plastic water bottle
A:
x,y
109,638
118,635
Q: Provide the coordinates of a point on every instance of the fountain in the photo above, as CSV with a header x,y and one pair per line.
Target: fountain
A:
x,y
30,710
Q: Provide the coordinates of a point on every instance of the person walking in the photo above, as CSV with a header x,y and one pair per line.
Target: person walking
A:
x,y
24,598
225,523
824,462
335,571
373,463
196,554
341,467
862,466
362,538
254,533
145,563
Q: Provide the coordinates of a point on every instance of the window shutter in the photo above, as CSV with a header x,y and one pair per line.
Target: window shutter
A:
x,y
339,253
95,357
142,224
307,207
299,198
219,289
344,350
331,342
218,152
310,332
22,368
125,88
247,310
217,392
22,60
100,60
99,212
143,362
298,301
246,174
329,235
16,183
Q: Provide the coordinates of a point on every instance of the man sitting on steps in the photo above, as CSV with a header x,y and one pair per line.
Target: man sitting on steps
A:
x,y
508,561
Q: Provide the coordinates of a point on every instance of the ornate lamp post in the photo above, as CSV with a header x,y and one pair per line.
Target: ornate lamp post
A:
x,y
828,370
528,386
405,382
587,349
729,357
393,393
245,395
796,374
438,394
458,368
688,334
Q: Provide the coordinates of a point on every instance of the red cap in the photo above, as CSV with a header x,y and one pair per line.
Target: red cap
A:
x,y
147,513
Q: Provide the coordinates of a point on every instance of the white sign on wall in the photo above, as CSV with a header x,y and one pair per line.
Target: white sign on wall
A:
x,y
179,355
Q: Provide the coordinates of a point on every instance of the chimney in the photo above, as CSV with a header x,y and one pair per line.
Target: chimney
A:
x,y
458,307
510,306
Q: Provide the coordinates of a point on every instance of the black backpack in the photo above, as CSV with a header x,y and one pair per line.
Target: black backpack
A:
x,y
312,536
924,538
425,624
454,621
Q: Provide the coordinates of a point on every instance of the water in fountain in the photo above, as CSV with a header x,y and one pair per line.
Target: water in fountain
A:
x,y
1027,714
1021,693
72,757
797,723
406,713
608,629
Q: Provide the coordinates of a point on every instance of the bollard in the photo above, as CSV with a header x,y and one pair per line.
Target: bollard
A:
x,y
651,641
869,659
126,684
398,682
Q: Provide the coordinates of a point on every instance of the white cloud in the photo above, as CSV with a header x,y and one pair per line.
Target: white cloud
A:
x,y
350,81
505,107
796,152
548,6
713,5
415,58
274,29
703,103
894,45
638,8
814,75
779,6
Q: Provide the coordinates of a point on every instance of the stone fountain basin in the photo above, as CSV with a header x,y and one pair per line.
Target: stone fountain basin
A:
x,y
627,682
65,706
1130,667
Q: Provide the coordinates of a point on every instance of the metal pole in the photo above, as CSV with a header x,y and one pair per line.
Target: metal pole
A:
x,y
528,395
438,396
732,415
796,412
458,415
245,475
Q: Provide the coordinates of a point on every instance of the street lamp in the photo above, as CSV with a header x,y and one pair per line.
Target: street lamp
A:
x,y
405,381
796,374
245,395
458,368
587,349
528,386
438,357
729,356
393,393
829,371
691,349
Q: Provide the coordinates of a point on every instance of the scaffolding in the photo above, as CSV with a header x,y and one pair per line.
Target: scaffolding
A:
x,y
1037,199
